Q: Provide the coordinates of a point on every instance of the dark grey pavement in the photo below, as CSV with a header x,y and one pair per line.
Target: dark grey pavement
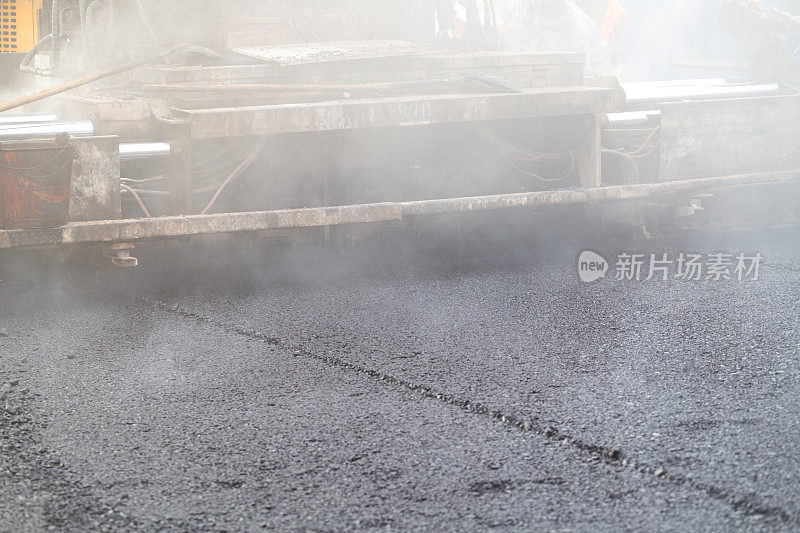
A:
x,y
409,389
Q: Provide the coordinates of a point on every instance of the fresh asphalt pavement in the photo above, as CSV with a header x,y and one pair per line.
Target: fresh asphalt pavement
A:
x,y
409,388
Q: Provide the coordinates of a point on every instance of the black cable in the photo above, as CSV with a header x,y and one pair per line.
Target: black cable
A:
x,y
51,174
23,169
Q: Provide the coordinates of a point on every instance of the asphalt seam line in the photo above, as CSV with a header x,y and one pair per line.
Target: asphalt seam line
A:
x,y
608,455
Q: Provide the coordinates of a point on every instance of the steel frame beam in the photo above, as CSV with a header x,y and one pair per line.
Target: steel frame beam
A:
x,y
111,231
394,112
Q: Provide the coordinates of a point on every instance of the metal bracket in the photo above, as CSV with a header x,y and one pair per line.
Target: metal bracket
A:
x,y
119,255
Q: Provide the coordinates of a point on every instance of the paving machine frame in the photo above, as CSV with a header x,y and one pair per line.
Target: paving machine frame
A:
x,y
336,98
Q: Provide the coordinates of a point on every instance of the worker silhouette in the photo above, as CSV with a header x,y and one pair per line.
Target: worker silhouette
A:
x,y
610,18
563,26
559,26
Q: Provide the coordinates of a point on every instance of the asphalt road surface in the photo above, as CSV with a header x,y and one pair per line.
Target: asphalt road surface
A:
x,y
409,388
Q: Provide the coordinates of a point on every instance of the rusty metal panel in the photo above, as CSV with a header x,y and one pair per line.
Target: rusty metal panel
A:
x,y
394,112
736,136
95,191
110,231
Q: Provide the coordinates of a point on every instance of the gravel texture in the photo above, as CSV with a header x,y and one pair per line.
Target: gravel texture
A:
x,y
419,387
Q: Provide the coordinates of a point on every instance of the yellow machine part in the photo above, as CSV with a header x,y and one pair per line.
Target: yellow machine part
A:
x,y
18,25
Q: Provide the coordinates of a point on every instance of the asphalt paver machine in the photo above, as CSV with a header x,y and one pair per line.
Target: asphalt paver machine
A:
x,y
154,121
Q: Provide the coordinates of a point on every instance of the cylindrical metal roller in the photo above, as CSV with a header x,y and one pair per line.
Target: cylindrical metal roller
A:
x,y
143,150
11,120
640,94
46,130
632,118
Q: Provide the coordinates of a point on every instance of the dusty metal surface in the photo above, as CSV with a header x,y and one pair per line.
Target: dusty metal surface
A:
x,y
586,195
165,227
718,137
131,230
95,191
372,69
394,112
588,141
304,53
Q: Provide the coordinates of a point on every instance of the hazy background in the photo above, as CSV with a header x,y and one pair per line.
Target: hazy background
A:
x,y
662,32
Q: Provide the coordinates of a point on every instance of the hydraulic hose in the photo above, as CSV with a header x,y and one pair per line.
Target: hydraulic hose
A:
x,y
619,168
96,76
93,37
82,5
110,34
55,33
25,64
